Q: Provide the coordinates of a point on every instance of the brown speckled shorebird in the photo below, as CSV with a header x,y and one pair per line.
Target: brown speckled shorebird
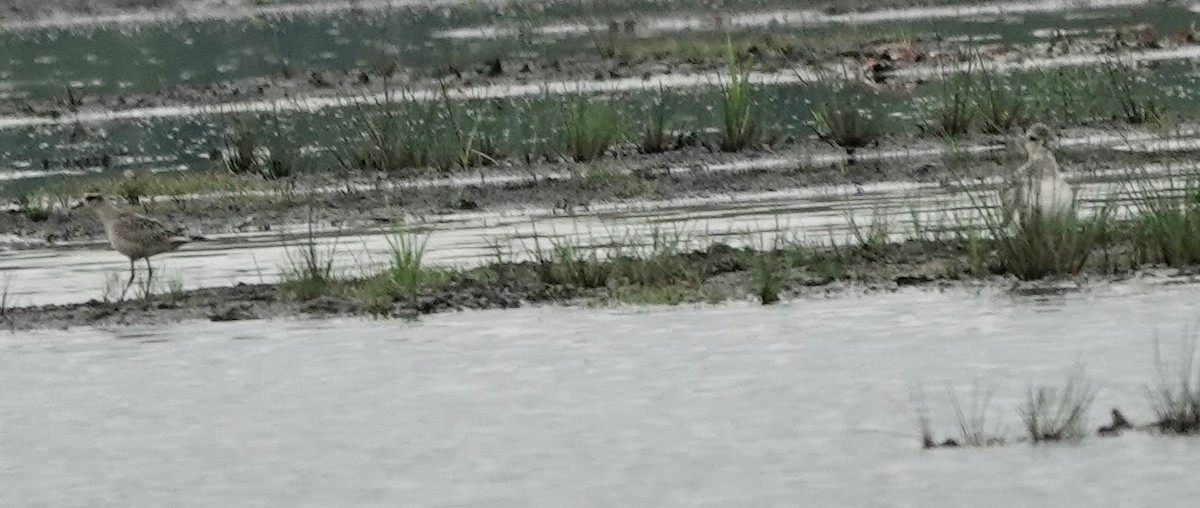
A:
x,y
134,235
1038,186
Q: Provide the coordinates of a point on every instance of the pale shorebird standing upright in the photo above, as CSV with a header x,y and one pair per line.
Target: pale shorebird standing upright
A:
x,y
1037,188
134,235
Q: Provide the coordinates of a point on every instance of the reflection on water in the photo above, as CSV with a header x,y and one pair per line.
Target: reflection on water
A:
x,y
734,405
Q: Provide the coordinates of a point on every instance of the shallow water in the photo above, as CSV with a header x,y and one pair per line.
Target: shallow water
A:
x,y
735,405
952,20
199,49
41,148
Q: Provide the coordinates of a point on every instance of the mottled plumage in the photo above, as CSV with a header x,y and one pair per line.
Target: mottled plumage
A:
x,y
134,235
1037,187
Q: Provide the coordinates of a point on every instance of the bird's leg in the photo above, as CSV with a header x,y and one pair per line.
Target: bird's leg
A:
x,y
132,273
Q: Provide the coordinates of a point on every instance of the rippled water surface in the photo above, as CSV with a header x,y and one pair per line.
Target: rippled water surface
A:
x,y
806,403
522,116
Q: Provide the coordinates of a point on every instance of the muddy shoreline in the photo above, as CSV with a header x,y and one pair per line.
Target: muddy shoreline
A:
x,y
725,274
719,273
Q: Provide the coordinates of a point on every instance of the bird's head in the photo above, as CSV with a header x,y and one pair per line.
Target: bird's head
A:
x,y
1040,134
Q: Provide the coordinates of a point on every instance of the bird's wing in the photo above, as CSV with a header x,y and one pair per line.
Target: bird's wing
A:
x,y
135,226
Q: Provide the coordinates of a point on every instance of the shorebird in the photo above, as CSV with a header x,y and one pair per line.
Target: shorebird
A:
x,y
134,235
1037,187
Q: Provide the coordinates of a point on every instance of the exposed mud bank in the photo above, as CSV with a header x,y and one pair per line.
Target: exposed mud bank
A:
x,y
264,301
716,274
712,275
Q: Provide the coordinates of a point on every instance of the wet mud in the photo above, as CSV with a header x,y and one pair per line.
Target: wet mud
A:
x,y
719,273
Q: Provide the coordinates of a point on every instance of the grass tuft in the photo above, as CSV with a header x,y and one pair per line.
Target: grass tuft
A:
x,y
661,263
972,420
407,269
5,292
404,278
474,147
390,144
656,133
1047,245
873,237
309,274
33,211
924,421
1058,413
837,120
248,153
133,187
1133,105
954,114
1168,228
567,264
1175,400
740,128
973,428
770,275
590,128
1000,107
